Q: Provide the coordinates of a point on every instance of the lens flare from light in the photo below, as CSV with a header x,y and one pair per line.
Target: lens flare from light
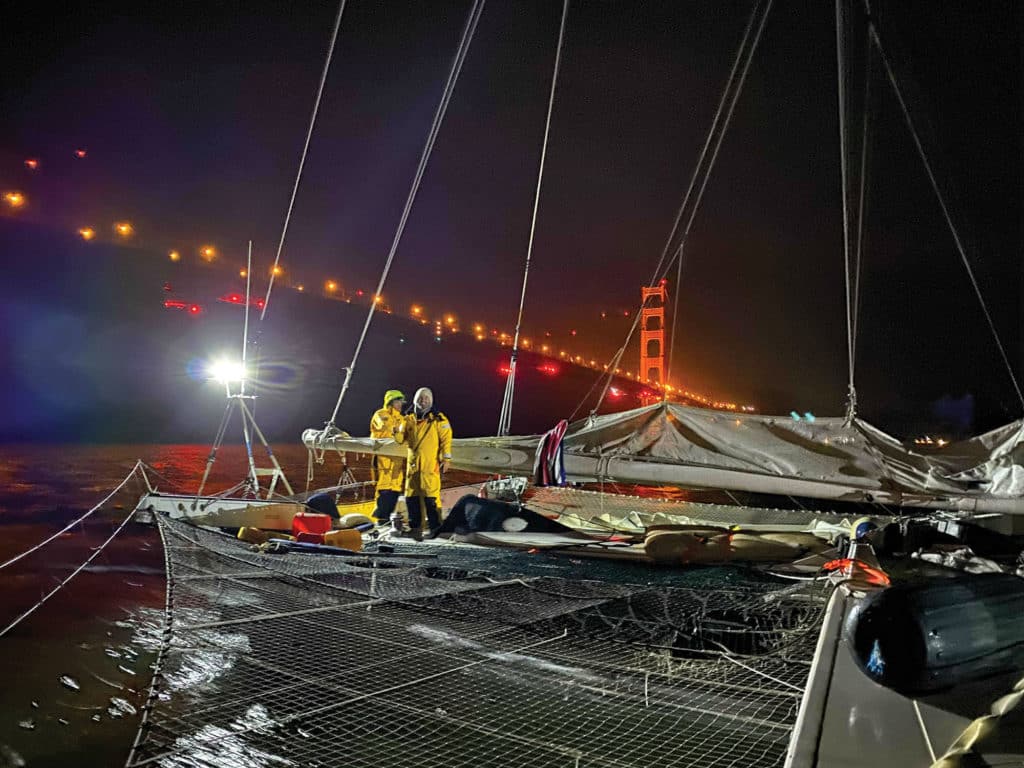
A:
x,y
226,371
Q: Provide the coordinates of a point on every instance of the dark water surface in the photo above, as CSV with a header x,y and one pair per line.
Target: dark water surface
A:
x,y
101,630
95,629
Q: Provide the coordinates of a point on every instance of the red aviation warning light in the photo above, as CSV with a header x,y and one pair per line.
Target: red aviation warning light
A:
x,y
239,299
32,164
187,307
80,153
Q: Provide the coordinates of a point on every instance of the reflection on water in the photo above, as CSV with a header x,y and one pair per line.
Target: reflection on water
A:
x,y
37,481
211,653
208,655
215,747
101,631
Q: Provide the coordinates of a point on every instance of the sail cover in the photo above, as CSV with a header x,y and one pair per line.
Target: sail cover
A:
x,y
828,458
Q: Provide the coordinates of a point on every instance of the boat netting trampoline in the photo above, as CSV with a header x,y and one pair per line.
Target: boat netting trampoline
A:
x,y
456,655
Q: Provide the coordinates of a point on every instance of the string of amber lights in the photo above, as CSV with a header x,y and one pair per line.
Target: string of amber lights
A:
x,y
445,323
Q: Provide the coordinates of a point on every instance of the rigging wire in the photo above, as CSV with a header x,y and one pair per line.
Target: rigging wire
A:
x,y
865,145
737,60
675,315
460,56
81,567
873,33
302,159
254,480
747,56
76,521
505,419
291,206
851,402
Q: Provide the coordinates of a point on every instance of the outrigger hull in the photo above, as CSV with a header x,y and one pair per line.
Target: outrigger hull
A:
x,y
266,514
219,512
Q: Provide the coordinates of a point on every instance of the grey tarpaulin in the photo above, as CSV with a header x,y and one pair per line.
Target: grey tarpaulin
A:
x,y
828,458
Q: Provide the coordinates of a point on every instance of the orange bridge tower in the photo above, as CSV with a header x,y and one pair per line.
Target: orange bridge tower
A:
x,y
652,333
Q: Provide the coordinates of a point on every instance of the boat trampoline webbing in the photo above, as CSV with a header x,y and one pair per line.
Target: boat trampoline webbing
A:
x,y
479,657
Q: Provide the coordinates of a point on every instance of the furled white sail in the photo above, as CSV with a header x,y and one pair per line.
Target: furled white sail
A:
x,y
671,444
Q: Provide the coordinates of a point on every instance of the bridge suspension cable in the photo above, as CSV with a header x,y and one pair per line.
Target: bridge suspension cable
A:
x,y
947,215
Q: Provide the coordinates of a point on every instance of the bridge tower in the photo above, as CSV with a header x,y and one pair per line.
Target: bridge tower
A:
x,y
652,333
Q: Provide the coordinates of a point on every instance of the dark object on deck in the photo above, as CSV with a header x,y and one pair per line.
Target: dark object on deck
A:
x,y
284,546
925,638
324,504
281,546
471,514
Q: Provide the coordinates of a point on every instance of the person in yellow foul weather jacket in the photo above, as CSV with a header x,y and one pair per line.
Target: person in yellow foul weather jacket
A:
x,y
389,472
428,435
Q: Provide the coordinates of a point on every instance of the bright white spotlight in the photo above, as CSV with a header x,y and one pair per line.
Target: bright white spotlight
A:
x,y
226,371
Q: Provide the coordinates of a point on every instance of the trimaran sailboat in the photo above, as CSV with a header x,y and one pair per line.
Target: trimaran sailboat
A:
x,y
509,665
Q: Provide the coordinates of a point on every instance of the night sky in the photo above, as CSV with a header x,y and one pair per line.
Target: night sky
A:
x,y
193,115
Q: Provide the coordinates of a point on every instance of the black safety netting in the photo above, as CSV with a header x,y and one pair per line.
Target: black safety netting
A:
x,y
457,655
